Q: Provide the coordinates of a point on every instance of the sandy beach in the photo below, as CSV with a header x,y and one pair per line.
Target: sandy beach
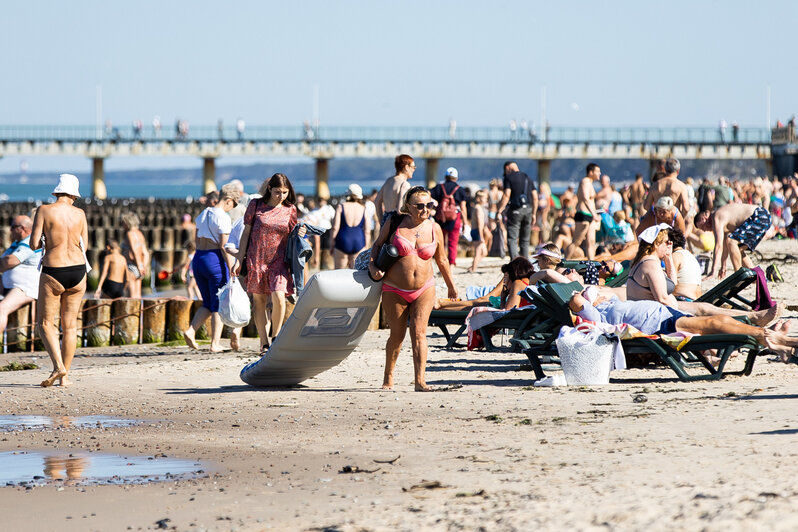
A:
x,y
646,452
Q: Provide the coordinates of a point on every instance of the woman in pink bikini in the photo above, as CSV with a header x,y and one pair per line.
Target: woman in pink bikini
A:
x,y
408,288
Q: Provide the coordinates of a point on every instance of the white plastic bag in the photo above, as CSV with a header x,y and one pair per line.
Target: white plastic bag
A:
x,y
586,357
234,304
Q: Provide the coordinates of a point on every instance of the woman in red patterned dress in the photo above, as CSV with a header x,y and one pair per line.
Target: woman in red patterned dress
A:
x,y
268,223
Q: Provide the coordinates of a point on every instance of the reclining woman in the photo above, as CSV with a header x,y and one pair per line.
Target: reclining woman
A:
x,y
408,290
517,275
647,281
652,317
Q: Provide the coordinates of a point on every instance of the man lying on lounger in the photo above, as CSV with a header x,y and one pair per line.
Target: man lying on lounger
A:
x,y
652,317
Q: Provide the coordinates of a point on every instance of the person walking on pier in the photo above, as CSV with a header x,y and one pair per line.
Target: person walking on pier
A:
x,y
62,230
212,266
451,209
521,200
392,193
18,266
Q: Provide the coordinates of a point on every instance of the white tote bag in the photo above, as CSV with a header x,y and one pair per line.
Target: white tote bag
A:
x,y
586,357
234,306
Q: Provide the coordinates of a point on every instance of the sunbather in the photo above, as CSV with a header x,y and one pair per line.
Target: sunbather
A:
x,y
652,317
647,281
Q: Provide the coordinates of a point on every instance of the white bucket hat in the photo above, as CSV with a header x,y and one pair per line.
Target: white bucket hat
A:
x,y
650,234
67,184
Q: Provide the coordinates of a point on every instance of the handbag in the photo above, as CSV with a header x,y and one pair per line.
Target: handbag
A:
x,y
389,254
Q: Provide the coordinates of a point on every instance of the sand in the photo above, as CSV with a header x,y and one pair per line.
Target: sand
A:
x,y
646,452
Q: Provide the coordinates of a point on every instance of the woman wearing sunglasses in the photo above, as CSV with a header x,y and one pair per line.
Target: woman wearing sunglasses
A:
x,y
408,289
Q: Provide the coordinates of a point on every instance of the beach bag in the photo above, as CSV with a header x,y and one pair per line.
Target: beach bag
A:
x,y
585,355
234,306
447,210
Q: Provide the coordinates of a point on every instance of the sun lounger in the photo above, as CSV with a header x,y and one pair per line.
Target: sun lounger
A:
x,y
554,298
728,291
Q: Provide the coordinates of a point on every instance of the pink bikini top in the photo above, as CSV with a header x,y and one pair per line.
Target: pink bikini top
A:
x,y
405,247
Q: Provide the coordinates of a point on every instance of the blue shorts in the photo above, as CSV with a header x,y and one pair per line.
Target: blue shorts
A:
x,y
669,325
751,231
476,236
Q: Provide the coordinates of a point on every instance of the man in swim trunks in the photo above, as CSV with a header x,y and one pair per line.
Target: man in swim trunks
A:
x,y
744,224
637,193
18,265
586,219
392,193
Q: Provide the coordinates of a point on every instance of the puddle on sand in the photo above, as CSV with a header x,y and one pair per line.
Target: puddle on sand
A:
x,y
12,423
37,468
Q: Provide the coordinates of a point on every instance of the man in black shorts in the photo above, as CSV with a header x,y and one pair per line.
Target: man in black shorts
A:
x,y
521,199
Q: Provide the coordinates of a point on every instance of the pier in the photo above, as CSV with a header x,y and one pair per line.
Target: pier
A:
x,y
208,143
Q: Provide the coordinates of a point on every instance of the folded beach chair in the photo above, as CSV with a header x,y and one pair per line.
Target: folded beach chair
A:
x,y
728,291
554,298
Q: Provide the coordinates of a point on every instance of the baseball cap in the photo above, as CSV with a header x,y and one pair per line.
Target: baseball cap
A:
x,y
451,171
355,190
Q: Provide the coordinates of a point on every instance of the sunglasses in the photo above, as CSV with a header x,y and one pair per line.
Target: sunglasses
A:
x,y
14,226
419,206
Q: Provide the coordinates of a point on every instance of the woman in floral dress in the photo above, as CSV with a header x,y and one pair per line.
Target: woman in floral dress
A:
x,y
268,223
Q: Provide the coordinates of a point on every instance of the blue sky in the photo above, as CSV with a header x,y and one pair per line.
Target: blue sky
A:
x,y
399,63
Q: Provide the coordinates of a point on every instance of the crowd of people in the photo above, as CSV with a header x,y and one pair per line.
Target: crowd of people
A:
x,y
658,227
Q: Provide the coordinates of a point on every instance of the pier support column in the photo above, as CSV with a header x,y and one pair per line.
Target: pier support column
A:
x,y
544,172
98,178
431,173
208,175
769,167
323,178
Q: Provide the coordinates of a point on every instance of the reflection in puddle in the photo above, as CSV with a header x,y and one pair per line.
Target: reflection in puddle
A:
x,y
12,423
38,468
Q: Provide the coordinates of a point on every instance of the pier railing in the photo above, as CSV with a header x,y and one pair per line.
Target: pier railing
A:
x,y
396,134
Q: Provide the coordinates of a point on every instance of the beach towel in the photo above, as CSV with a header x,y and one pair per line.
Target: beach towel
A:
x,y
763,300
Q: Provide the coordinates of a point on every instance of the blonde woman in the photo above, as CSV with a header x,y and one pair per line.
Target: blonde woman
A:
x,y
134,249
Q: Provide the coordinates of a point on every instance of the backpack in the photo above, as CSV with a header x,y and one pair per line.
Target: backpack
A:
x,y
447,210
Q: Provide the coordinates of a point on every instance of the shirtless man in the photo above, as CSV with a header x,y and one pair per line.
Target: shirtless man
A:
x,y
745,225
637,194
604,195
389,198
669,185
586,219
663,212
63,278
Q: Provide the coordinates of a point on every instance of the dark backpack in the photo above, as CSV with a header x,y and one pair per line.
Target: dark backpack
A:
x,y
447,210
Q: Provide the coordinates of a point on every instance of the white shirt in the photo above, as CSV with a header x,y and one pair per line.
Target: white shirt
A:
x,y
212,223
24,275
370,212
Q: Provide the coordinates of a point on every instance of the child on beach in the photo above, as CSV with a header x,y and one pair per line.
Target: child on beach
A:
x,y
480,234
114,270
187,274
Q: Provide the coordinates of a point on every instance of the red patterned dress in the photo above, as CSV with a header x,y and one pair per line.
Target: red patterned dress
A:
x,y
268,237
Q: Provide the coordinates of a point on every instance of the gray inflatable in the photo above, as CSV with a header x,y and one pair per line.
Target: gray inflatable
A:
x,y
329,319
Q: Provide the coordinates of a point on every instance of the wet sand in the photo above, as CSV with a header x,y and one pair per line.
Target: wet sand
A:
x,y
645,452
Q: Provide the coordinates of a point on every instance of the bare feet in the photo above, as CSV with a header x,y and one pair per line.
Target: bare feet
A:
x,y
54,376
218,348
782,326
422,387
234,341
387,387
387,382
763,317
190,341
65,383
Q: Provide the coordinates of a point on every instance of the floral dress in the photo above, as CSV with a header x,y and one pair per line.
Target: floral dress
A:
x,y
268,237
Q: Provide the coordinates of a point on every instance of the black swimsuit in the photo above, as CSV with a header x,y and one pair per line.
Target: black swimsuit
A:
x,y
67,276
113,289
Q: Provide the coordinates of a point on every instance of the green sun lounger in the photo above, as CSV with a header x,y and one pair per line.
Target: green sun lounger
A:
x,y
554,298
728,291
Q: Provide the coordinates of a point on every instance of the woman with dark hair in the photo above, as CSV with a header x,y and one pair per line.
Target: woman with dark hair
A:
x,y
408,289
518,272
268,223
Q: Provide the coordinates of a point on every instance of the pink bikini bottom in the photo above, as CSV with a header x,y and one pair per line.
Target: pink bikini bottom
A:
x,y
409,295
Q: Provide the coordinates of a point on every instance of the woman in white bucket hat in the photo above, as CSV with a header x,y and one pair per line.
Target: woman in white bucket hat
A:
x,y
62,230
